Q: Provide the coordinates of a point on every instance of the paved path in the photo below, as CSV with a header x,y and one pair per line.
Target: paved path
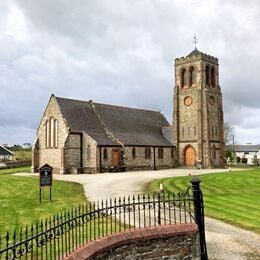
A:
x,y
223,241
106,185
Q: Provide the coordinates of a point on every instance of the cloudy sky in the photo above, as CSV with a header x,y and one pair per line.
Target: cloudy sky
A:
x,y
122,52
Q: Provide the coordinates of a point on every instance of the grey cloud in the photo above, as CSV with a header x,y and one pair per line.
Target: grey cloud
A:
x,y
122,52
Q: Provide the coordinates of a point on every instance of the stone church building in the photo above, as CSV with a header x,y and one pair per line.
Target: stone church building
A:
x,y
86,137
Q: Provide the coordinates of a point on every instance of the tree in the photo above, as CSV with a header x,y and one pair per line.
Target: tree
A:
x,y
228,134
229,141
229,154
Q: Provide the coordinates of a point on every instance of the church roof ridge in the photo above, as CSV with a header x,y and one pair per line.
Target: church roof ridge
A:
x,y
111,105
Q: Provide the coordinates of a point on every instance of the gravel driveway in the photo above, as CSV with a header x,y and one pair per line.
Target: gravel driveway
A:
x,y
223,241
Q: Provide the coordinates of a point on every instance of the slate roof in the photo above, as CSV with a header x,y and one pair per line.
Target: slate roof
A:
x,y
130,125
81,117
167,132
5,151
247,148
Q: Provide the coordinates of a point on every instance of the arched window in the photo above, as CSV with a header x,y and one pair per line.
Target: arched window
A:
x,y
105,154
208,75
133,153
212,76
56,133
160,153
172,153
147,153
184,80
192,76
214,154
47,134
51,133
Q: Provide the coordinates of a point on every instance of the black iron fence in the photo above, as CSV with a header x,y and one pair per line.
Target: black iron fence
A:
x,y
60,235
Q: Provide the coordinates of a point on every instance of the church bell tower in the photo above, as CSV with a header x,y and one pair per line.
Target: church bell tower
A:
x,y
197,112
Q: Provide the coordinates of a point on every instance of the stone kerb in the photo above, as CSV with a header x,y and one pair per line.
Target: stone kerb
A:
x,y
179,241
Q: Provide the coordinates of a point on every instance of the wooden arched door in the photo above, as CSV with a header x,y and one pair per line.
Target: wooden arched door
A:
x,y
190,156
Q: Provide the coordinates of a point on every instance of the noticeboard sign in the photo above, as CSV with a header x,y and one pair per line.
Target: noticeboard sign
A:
x,y
45,176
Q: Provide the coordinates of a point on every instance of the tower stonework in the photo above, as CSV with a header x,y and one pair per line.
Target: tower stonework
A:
x,y
197,113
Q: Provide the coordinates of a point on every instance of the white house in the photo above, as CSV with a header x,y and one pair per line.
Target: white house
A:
x,y
248,154
27,146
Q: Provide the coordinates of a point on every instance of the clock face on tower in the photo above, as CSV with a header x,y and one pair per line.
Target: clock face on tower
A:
x,y
188,101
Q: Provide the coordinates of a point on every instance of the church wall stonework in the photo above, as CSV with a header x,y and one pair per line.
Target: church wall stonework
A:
x,y
139,161
168,160
52,156
107,163
80,154
89,154
72,152
198,113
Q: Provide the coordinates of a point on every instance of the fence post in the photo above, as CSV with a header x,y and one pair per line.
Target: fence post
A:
x,y
199,215
159,208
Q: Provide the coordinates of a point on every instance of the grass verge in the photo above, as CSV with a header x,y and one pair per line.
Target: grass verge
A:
x,y
232,197
19,199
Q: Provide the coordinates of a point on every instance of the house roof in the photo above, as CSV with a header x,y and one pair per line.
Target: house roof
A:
x,y
247,148
129,126
5,151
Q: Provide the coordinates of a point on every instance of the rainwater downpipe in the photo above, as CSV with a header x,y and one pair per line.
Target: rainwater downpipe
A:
x,y
100,158
154,161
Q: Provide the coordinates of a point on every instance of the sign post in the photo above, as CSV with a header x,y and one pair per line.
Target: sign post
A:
x,y
45,179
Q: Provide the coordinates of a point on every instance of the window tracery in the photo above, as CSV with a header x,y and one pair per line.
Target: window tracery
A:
x,y
51,133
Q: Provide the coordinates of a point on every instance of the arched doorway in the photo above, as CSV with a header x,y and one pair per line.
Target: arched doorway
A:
x,y
190,156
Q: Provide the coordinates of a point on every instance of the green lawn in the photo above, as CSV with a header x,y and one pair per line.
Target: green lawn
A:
x,y
19,199
22,154
20,206
232,197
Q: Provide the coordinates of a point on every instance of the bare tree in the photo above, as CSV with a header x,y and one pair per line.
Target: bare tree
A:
x,y
229,141
228,133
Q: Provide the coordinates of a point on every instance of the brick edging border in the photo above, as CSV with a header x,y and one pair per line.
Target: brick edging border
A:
x,y
131,236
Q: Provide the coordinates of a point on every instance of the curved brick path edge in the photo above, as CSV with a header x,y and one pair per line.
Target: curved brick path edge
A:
x,y
130,236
